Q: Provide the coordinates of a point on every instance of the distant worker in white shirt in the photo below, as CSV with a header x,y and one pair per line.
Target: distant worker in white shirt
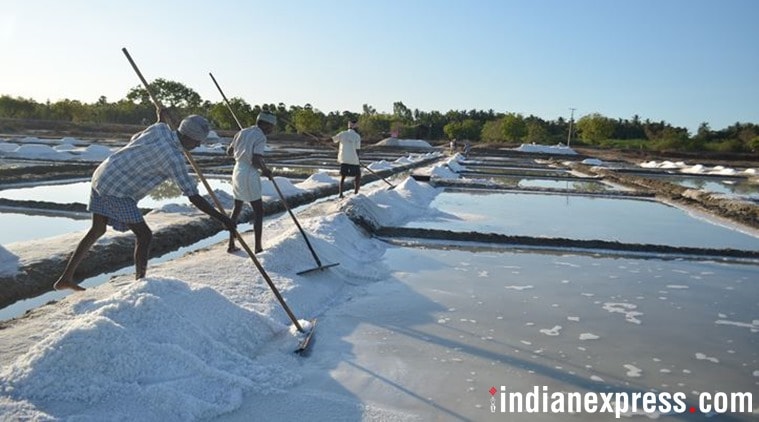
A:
x,y
248,147
347,155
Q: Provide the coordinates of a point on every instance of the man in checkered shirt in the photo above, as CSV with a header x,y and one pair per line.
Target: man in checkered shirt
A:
x,y
151,157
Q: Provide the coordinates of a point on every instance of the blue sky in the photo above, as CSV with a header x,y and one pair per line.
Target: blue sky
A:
x,y
682,61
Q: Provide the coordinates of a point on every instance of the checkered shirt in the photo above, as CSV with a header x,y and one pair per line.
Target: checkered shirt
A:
x,y
152,156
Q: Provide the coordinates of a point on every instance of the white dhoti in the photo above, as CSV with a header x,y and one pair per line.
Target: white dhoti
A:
x,y
246,182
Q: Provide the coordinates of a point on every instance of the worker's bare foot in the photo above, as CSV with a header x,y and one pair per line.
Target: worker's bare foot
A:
x,y
232,249
62,285
259,250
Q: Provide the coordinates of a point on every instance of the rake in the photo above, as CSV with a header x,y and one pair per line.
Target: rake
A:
x,y
305,341
319,265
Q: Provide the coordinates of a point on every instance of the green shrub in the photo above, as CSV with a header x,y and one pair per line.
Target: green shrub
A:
x,y
640,144
753,144
727,145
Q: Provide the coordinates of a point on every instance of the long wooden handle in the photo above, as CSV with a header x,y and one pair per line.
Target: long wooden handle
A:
x,y
226,101
335,148
142,79
218,204
274,182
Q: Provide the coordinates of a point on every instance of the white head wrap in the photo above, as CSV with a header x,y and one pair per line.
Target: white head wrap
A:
x,y
267,117
194,126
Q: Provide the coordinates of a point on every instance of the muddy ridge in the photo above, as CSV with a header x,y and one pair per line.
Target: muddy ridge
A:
x,y
743,212
557,243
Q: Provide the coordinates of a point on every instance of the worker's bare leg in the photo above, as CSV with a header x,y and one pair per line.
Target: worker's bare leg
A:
x,y
66,280
235,215
141,248
258,222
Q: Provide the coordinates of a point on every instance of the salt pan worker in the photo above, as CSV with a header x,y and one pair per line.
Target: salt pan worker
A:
x,y
128,175
248,146
347,155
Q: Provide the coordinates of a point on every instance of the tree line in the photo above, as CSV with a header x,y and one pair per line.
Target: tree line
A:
x,y
474,125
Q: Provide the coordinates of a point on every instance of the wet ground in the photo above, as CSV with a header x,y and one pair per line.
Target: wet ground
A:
x,y
469,320
644,285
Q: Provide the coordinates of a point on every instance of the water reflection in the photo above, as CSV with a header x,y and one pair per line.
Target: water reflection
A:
x,y
579,185
166,190
20,226
740,187
17,227
564,319
579,217
79,192
59,193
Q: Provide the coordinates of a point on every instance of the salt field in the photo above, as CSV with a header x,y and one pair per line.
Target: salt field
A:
x,y
469,321
560,224
423,330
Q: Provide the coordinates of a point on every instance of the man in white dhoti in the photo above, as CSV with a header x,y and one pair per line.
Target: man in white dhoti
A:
x,y
248,147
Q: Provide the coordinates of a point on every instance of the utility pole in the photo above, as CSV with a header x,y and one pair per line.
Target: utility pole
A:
x,y
571,120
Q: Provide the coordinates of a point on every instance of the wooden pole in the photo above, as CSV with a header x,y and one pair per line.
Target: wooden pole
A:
x,y
218,204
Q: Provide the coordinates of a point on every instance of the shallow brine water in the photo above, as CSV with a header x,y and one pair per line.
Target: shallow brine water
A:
x,y
79,192
563,184
472,171
579,217
17,227
470,321
740,187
